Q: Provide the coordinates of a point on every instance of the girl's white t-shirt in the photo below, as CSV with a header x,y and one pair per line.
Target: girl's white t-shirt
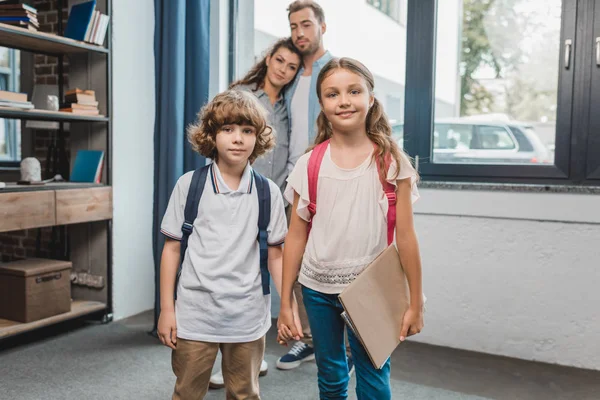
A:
x,y
349,228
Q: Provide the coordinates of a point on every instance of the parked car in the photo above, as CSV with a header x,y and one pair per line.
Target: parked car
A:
x,y
461,140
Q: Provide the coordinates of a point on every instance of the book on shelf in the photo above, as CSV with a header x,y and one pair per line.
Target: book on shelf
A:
x,y
80,101
80,111
16,6
88,166
20,15
13,96
81,98
87,24
80,91
14,100
17,104
24,25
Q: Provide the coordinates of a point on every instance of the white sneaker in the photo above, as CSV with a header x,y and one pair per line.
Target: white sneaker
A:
x,y
217,381
264,368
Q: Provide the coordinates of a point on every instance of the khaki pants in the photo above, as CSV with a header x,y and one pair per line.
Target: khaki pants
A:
x,y
192,363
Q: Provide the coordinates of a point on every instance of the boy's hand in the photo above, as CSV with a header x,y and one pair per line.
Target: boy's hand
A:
x,y
167,329
412,323
286,327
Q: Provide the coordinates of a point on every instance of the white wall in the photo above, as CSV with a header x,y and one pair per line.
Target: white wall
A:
x,y
515,274
133,156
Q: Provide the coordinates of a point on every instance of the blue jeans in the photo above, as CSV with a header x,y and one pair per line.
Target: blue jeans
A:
x,y
328,339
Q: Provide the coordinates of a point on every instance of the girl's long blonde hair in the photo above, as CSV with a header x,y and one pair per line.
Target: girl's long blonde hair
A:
x,y
378,127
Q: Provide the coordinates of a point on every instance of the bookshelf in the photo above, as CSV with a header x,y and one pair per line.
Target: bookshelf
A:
x,y
44,43
46,115
83,210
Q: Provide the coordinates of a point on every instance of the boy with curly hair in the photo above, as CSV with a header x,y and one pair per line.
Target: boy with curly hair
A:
x,y
220,300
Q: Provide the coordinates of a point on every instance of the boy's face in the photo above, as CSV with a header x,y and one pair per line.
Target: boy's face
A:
x,y
235,143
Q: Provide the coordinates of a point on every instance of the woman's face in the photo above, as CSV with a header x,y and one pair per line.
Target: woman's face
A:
x,y
282,67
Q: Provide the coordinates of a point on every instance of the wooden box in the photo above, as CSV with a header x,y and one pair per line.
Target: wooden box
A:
x,y
83,205
34,289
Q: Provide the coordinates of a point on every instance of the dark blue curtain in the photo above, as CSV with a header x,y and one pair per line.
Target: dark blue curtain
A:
x,y
181,51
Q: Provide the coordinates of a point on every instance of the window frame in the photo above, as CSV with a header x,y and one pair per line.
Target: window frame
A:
x,y
12,132
574,125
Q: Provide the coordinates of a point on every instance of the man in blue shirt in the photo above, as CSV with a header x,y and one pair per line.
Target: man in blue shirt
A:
x,y
307,24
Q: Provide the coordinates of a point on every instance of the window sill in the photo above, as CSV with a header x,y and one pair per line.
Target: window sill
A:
x,y
510,187
525,202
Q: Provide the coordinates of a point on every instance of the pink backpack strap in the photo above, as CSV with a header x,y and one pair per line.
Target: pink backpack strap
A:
x,y
390,193
314,165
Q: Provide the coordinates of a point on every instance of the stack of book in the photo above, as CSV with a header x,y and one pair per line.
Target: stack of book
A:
x,y
20,15
79,101
87,24
15,100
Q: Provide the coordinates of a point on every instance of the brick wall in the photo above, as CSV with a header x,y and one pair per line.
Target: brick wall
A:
x,y
21,244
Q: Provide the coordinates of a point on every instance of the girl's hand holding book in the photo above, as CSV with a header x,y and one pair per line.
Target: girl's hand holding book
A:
x,y
412,323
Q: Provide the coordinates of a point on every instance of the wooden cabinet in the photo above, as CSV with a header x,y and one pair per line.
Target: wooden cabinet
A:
x,y
40,208
24,210
83,205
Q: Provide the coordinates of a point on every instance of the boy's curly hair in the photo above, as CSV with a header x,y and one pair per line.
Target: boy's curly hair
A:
x,y
231,107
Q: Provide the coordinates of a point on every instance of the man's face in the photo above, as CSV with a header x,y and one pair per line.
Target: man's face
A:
x,y
307,33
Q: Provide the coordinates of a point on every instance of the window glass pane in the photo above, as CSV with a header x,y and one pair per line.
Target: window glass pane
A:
x,y
497,77
4,57
357,29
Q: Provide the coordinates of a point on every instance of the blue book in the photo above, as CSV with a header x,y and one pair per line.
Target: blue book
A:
x,y
87,166
14,19
79,19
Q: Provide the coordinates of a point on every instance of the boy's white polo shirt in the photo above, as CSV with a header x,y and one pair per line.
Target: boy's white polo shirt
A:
x,y
219,296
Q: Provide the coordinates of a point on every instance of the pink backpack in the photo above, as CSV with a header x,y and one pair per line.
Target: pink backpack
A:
x,y
314,165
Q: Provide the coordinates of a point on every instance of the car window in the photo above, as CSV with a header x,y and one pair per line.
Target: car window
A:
x,y
452,136
493,138
524,143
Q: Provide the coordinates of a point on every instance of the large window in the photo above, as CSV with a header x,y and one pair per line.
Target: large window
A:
x,y
391,8
10,129
504,90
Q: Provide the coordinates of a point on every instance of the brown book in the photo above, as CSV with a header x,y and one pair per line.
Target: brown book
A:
x,y
22,24
18,13
80,91
77,106
13,96
81,98
80,112
375,303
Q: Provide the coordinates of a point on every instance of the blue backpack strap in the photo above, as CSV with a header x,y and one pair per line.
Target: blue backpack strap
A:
x,y
264,217
190,213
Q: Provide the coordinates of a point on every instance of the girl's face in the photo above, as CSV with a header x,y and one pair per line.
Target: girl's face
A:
x,y
282,67
345,100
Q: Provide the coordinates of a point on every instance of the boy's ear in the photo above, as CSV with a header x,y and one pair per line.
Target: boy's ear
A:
x,y
323,27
